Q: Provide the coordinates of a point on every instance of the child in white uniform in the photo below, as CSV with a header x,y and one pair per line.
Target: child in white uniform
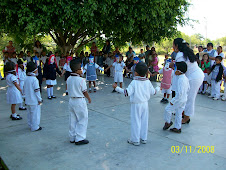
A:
x,y
78,118
33,98
224,95
14,92
21,74
119,65
139,90
178,103
67,69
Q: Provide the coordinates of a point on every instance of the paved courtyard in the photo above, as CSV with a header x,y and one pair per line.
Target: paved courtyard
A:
x,y
108,131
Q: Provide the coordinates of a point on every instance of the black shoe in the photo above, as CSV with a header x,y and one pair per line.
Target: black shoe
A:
x,y
167,125
53,97
166,101
66,93
2,79
188,121
113,91
22,108
16,118
40,128
82,142
175,130
50,98
163,99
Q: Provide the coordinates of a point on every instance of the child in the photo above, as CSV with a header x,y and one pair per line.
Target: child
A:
x,y
204,64
217,72
224,95
108,63
135,61
49,73
33,98
177,104
43,58
62,61
57,58
77,105
13,58
118,65
21,74
208,80
154,63
90,70
142,55
67,69
139,90
112,70
14,91
28,58
36,60
166,81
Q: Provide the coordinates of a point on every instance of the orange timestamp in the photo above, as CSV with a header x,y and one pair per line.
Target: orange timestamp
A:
x,y
190,149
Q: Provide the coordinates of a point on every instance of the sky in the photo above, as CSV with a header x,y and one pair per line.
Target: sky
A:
x,y
211,15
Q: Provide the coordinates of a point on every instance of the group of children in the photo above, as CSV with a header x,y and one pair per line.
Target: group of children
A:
x,y
24,81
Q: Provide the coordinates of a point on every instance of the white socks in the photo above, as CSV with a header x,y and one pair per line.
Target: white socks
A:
x,y
51,91
48,92
14,115
21,105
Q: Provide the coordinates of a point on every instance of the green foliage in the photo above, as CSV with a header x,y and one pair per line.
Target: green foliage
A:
x,y
77,23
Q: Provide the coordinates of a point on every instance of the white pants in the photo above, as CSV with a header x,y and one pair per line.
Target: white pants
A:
x,y
139,121
118,78
78,119
195,81
178,117
33,116
168,91
215,88
22,87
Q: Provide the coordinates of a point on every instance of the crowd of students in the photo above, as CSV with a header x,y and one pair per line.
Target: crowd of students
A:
x,y
184,75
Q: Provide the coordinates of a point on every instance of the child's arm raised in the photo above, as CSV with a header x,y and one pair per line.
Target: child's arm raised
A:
x,y
127,92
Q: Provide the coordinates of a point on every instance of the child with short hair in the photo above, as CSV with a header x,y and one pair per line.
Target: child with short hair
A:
x,y
77,105
217,73
136,60
178,103
139,90
91,74
208,80
21,74
14,92
204,64
119,65
37,61
33,97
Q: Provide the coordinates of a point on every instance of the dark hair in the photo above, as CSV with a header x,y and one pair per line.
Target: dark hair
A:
x,y
182,47
141,68
14,52
207,56
219,57
220,47
200,46
36,52
182,66
210,44
19,62
130,48
209,68
9,66
75,65
28,51
31,66
39,43
6,52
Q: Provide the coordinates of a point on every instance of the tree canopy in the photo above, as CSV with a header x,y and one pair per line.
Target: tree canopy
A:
x,y
73,24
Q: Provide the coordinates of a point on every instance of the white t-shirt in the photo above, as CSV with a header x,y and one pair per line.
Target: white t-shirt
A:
x,y
21,74
118,66
67,67
139,90
39,50
43,58
223,57
32,90
76,85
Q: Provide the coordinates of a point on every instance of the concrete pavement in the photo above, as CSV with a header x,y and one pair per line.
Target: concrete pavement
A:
x,y
108,130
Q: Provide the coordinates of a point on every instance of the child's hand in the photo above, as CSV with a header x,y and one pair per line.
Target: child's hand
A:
x,y
39,102
171,103
114,85
89,100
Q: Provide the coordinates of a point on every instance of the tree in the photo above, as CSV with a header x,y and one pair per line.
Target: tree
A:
x,y
75,23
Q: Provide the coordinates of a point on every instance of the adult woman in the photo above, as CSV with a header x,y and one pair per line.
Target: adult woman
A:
x,y
10,49
194,74
107,47
38,47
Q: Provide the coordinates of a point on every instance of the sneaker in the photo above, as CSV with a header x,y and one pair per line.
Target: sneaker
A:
x,y
143,141
82,142
167,125
49,97
113,91
133,143
215,98
163,99
22,108
53,97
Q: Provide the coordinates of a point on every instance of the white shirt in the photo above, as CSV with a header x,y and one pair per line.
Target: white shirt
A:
x,y
58,60
76,85
21,74
43,58
208,78
14,60
118,66
215,54
223,57
32,90
182,91
67,67
139,90
39,50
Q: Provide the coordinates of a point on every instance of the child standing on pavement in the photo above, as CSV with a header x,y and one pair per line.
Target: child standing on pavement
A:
x,y
77,105
139,90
